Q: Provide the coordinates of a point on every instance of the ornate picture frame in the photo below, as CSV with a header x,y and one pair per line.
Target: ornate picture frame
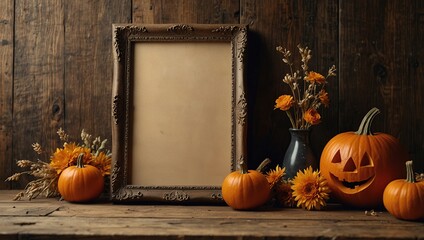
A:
x,y
179,111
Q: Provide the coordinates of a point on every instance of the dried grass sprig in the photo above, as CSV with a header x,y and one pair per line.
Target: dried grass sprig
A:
x,y
46,184
62,135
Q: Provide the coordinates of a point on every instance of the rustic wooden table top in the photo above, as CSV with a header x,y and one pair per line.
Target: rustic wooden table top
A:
x,y
53,219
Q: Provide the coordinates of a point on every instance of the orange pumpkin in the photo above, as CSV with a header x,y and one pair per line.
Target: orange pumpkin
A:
x,y
243,190
404,198
80,183
358,165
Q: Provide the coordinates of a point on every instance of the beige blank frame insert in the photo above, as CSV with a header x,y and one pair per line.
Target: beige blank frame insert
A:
x,y
182,115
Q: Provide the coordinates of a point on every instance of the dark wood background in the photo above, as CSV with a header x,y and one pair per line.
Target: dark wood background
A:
x,y
56,66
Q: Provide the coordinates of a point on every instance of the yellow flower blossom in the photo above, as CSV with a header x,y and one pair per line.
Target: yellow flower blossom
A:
x,y
310,189
102,162
67,156
275,175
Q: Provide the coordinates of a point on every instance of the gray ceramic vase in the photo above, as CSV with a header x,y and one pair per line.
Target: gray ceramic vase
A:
x,y
299,154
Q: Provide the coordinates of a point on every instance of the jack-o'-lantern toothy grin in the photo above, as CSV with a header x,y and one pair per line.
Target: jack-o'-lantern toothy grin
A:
x,y
351,187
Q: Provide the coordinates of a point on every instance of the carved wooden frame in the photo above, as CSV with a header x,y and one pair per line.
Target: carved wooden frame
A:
x,y
124,38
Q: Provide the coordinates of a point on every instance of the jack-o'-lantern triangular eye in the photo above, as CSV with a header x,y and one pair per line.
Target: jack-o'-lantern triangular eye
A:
x,y
366,161
337,158
349,166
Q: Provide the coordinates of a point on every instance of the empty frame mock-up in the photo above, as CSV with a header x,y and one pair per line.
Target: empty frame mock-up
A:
x,y
179,111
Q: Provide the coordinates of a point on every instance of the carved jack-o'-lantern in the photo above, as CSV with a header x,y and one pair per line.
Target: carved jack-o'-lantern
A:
x,y
359,165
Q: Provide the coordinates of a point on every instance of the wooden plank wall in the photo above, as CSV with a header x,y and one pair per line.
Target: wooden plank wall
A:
x,y
6,89
56,66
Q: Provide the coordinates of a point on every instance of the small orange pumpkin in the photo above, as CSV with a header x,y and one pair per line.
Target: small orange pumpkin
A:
x,y
80,183
359,165
245,189
404,198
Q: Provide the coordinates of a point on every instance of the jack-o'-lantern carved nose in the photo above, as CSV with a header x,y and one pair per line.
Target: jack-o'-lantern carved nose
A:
x,y
349,166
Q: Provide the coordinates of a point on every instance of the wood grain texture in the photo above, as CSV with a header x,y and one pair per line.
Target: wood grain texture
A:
x,y
415,139
6,90
88,64
56,67
286,23
186,11
40,219
38,99
380,66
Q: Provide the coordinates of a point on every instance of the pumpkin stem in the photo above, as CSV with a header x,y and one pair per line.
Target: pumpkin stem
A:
x,y
243,167
365,127
409,172
263,164
80,164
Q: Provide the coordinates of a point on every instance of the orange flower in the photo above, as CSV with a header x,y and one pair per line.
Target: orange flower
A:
x,y
275,175
67,156
323,97
284,102
312,116
310,189
284,194
102,162
315,77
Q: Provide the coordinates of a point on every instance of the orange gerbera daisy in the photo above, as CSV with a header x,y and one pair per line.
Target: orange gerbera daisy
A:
x,y
284,102
312,116
310,189
315,77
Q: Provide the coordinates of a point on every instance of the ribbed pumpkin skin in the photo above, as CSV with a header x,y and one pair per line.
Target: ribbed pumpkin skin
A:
x,y
244,191
80,184
359,165
405,200
387,160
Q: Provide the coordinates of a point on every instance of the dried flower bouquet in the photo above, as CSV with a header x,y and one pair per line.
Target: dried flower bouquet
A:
x,y
47,173
307,91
